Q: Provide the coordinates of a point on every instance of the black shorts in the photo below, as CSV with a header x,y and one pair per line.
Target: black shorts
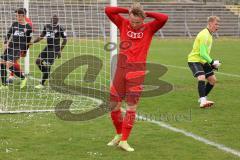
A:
x,y
11,55
48,55
198,69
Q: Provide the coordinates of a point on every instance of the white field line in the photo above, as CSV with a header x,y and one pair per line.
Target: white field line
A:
x,y
189,134
186,68
194,136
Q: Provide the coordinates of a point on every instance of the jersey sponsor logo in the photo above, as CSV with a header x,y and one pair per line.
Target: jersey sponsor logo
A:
x,y
135,35
50,35
18,33
65,34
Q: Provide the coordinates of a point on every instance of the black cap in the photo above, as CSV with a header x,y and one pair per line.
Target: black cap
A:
x,y
21,11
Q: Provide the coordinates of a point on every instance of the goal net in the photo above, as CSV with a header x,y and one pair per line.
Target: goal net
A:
x,y
81,76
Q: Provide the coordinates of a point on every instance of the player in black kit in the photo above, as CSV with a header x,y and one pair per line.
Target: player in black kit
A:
x,y
21,33
45,60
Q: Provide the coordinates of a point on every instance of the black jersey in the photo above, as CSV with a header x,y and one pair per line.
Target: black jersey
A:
x,y
21,35
53,34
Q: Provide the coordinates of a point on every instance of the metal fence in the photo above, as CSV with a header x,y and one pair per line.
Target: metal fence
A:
x,y
185,19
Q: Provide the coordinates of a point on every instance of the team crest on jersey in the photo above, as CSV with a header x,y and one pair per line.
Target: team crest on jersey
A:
x,y
55,31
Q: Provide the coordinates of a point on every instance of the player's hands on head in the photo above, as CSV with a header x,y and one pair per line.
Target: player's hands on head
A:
x,y
129,10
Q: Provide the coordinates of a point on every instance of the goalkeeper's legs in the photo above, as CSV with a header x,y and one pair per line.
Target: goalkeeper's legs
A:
x,y
201,71
201,87
210,84
211,78
202,92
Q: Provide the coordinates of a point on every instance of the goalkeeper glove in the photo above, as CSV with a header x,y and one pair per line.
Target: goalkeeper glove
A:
x,y
215,64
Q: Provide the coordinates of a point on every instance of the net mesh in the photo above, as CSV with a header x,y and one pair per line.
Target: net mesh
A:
x,y
80,75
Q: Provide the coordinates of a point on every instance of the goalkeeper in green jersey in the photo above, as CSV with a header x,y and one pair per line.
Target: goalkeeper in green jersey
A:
x,y
200,62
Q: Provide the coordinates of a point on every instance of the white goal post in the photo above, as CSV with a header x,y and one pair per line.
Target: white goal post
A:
x,y
27,58
114,40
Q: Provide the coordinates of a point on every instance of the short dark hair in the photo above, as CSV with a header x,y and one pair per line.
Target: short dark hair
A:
x,y
21,11
54,15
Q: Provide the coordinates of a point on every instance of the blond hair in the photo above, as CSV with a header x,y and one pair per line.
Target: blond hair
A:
x,y
212,19
137,10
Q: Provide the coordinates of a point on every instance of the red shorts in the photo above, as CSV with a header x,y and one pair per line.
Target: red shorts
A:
x,y
127,85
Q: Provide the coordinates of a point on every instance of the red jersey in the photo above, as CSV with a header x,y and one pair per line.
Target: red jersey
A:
x,y
134,44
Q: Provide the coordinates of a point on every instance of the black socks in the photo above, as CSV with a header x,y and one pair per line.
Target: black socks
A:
x,y
46,72
201,89
209,87
3,74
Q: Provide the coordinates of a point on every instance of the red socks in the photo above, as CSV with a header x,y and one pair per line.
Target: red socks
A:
x,y
123,126
127,125
117,120
16,68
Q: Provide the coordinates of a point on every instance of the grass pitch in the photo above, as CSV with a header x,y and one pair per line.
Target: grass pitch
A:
x,y
41,136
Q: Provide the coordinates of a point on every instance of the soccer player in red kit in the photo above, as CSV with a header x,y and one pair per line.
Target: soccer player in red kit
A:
x,y
16,66
135,39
